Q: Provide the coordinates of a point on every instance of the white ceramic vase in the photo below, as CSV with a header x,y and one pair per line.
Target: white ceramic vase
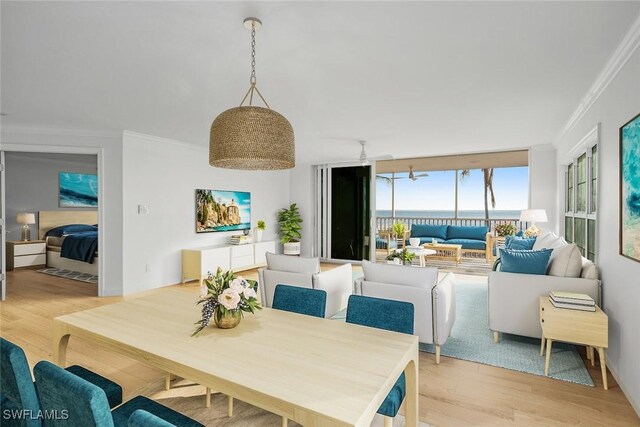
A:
x,y
258,234
292,248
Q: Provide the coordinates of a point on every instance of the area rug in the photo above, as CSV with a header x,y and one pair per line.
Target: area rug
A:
x,y
472,340
189,399
70,274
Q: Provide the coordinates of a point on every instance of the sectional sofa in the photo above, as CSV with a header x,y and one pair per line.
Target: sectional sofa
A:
x,y
472,238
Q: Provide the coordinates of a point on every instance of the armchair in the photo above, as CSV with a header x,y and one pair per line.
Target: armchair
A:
x,y
433,301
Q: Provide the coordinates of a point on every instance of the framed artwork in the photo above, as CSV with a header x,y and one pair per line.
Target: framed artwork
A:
x,y
78,190
220,210
630,189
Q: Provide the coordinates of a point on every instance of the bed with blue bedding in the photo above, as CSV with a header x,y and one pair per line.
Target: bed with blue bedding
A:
x,y
73,247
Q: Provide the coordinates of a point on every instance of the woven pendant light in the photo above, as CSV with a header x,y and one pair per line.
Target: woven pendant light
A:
x,y
251,137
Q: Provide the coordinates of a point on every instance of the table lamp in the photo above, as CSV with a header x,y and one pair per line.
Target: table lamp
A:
x,y
533,215
26,218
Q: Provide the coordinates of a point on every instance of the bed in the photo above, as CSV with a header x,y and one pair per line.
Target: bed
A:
x,y
48,220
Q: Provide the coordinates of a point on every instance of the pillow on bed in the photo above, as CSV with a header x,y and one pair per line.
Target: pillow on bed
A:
x,y
63,230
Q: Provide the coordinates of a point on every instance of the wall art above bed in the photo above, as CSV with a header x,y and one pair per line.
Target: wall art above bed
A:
x,y
219,210
630,189
78,190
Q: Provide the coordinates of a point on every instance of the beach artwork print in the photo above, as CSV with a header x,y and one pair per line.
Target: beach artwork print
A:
x,y
218,210
78,190
630,189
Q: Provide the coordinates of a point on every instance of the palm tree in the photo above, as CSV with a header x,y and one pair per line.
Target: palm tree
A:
x,y
488,189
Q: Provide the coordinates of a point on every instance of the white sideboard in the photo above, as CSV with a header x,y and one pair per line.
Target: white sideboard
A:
x,y
198,262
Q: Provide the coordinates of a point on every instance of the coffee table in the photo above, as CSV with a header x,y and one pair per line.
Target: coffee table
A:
x,y
316,372
445,251
421,253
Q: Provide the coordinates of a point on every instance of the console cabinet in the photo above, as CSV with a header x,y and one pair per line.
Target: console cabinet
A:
x,y
198,262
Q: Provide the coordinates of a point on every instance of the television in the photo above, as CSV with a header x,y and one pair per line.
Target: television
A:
x,y
78,190
221,210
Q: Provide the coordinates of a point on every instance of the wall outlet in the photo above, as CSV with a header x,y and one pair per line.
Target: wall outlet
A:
x,y
144,209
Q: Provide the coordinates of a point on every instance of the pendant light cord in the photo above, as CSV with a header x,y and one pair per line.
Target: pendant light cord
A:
x,y
252,79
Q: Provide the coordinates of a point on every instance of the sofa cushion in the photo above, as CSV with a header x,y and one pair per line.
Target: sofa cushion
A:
x,y
293,264
465,232
424,240
338,284
589,270
548,240
513,242
525,262
566,261
381,243
427,230
425,277
467,243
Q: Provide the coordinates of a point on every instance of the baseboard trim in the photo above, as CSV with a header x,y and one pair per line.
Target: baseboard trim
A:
x,y
634,405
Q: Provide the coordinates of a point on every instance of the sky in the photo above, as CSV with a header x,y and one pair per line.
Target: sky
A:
x,y
437,191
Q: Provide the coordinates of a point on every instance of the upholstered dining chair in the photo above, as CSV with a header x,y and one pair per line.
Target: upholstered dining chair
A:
x,y
86,404
142,418
311,302
18,392
386,314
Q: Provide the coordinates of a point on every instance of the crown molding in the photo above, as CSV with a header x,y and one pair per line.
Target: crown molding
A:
x,y
621,55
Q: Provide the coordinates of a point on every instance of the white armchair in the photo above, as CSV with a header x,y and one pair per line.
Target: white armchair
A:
x,y
433,301
305,272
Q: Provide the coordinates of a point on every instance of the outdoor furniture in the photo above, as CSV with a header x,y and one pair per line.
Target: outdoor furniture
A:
x,y
421,253
434,302
445,251
472,239
385,239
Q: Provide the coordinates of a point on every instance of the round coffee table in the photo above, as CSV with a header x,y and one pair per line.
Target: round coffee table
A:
x,y
420,252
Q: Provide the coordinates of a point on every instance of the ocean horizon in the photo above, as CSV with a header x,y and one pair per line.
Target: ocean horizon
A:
x,y
493,214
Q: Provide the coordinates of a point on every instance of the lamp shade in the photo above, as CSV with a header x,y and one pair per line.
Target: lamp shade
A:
x,y
252,138
533,215
25,218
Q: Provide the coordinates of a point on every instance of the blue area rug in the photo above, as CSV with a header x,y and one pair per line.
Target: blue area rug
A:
x,y
472,340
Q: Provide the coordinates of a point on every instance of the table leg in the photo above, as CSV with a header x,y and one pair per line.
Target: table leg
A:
x,y
60,342
603,367
593,356
423,261
546,363
411,399
542,341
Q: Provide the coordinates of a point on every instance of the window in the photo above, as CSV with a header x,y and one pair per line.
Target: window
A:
x,y
581,192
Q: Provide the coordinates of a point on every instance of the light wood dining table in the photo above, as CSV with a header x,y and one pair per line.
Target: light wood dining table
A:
x,y
317,372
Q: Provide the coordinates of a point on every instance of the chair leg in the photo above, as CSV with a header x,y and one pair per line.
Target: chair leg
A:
x,y
496,336
167,381
207,397
285,422
437,354
230,406
388,422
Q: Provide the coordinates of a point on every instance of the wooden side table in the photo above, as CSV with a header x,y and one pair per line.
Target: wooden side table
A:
x,y
31,253
588,328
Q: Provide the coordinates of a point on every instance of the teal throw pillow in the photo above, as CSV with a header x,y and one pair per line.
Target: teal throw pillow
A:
x,y
525,261
521,243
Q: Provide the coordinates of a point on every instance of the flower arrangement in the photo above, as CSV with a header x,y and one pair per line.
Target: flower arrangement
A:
x,y
505,229
225,295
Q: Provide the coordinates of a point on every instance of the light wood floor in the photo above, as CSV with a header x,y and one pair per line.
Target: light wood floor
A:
x,y
454,393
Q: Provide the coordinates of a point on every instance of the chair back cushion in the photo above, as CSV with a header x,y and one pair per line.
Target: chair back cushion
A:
x,y
396,316
272,278
427,230
466,232
60,390
338,284
565,261
400,274
525,262
293,264
142,418
16,384
522,243
311,302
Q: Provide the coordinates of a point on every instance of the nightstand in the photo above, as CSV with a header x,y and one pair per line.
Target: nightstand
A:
x,y
26,254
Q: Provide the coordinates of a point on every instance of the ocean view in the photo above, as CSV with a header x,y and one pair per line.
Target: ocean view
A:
x,y
493,214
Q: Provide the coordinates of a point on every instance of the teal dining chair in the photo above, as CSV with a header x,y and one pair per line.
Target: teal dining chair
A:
x,y
396,316
295,299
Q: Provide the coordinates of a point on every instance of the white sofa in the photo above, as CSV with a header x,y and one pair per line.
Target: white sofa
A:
x,y
514,298
433,301
305,272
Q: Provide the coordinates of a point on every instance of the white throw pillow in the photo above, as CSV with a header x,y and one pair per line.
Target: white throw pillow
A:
x,y
565,261
548,240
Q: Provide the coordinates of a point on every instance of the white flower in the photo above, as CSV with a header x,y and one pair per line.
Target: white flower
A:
x,y
249,293
203,291
237,284
229,298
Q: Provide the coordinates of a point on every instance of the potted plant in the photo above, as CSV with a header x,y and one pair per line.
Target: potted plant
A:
x,y
260,227
289,222
401,257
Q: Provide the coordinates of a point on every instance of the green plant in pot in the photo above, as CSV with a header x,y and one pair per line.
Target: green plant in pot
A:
x,y
401,257
398,228
289,221
260,227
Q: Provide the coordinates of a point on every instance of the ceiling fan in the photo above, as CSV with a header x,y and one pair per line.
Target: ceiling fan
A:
x,y
412,176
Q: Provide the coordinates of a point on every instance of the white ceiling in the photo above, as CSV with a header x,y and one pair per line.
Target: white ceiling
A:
x,y
414,79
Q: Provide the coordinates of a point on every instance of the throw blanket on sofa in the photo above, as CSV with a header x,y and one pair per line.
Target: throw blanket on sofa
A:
x,y
80,246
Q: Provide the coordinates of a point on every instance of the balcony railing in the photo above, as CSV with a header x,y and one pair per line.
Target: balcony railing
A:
x,y
385,223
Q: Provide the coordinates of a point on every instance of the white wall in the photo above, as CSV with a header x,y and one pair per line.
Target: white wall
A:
x,y
164,175
109,147
542,182
302,193
621,287
32,184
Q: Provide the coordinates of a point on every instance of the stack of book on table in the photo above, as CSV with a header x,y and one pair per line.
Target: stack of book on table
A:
x,y
240,239
572,301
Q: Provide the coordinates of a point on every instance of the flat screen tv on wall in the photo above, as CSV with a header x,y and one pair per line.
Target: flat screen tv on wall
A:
x,y
220,210
78,190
